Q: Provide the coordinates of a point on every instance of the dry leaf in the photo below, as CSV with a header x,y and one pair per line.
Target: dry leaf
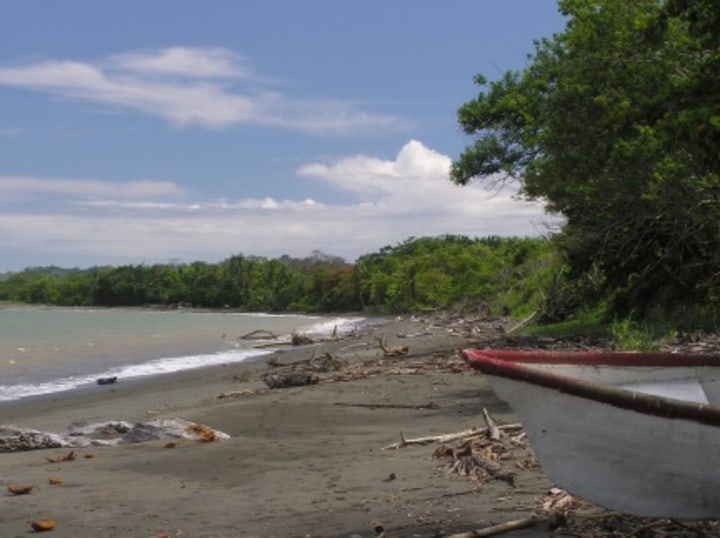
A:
x,y
43,525
19,489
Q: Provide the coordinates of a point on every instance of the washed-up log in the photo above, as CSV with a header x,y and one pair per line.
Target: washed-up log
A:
x,y
501,528
448,437
414,335
290,379
429,405
259,334
300,339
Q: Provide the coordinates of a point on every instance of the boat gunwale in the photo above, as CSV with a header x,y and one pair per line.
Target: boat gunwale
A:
x,y
509,364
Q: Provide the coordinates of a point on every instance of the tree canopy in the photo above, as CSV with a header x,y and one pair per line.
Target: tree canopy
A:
x,y
615,124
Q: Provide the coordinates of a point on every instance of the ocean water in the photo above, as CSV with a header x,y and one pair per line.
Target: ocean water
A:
x,y
49,350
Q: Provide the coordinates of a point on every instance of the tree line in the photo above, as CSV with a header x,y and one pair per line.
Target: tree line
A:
x,y
498,275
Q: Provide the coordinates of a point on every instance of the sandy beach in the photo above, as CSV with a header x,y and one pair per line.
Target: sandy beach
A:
x,y
300,461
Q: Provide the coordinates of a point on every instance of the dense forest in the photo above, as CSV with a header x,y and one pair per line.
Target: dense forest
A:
x,y
493,274
614,124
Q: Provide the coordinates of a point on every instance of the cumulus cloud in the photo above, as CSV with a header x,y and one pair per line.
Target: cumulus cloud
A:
x,y
409,195
190,86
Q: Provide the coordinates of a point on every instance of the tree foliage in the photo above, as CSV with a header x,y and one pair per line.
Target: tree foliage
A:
x,y
501,275
615,124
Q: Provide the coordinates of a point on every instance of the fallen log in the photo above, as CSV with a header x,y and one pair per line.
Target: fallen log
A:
x,y
501,528
430,405
259,334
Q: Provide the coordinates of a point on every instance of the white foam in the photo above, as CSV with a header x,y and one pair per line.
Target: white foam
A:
x,y
322,329
153,367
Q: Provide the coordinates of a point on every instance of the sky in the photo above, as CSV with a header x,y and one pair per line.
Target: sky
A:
x,y
137,132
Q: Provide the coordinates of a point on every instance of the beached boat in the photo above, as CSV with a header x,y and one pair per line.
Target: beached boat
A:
x,y
634,432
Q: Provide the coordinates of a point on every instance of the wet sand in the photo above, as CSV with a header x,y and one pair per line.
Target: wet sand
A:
x,y
304,461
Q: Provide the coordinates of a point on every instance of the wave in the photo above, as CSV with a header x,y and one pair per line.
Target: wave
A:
x,y
167,365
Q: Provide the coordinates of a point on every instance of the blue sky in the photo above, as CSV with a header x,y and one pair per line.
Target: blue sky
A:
x,y
142,132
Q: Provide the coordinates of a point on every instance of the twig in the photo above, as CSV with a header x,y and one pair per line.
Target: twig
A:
x,y
523,322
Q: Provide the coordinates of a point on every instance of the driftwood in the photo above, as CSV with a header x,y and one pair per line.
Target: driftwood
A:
x,y
259,334
391,352
501,528
414,335
469,462
494,432
107,380
449,437
290,379
300,339
429,405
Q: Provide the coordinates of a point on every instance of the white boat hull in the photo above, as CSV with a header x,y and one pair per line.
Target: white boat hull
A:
x,y
659,458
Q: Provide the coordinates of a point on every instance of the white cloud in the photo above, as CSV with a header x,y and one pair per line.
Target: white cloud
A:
x,y
407,196
190,86
214,62
22,186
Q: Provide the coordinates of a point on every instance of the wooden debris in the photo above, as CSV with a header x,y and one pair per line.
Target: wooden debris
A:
x,y
501,528
429,405
20,489
494,432
259,334
290,379
70,456
54,481
107,380
414,335
298,338
391,352
241,393
449,437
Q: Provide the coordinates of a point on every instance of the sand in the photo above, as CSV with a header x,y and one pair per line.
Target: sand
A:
x,y
303,461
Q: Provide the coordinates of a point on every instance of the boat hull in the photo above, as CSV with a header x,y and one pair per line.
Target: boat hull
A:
x,y
660,458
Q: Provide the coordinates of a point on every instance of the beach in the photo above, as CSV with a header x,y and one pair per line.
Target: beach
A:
x,y
308,460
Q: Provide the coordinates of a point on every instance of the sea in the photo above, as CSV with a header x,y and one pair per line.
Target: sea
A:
x,y
46,350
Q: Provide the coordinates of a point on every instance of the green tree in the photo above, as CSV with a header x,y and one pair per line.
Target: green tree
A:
x,y
616,125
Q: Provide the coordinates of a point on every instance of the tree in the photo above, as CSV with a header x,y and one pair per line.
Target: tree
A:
x,y
615,124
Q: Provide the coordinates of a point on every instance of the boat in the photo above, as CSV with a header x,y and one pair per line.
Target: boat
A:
x,y
638,433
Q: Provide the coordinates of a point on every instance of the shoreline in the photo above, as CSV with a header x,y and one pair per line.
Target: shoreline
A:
x,y
307,461
49,363
303,461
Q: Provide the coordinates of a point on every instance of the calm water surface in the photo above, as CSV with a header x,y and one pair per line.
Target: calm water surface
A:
x,y
46,350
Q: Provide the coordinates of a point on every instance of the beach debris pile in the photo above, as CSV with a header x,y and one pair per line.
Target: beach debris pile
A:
x,y
109,433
